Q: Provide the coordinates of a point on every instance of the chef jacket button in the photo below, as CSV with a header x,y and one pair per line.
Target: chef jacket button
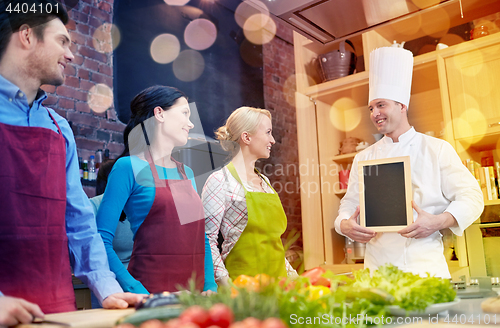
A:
x,y
10,99
20,94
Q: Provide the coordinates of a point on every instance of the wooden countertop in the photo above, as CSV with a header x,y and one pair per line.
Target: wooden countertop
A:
x,y
97,318
467,312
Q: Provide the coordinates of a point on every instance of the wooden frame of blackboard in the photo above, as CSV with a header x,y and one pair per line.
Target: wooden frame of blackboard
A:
x,y
385,203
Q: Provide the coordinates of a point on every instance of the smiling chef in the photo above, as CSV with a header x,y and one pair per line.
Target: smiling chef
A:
x,y
445,194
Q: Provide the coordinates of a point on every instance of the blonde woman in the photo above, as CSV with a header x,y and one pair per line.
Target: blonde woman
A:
x,y
241,204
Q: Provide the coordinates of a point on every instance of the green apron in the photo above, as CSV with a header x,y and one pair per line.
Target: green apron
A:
x,y
259,249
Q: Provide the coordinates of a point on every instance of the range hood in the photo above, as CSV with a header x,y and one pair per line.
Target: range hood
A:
x,y
325,21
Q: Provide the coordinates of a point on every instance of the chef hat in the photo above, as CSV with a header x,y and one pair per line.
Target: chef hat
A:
x,y
391,70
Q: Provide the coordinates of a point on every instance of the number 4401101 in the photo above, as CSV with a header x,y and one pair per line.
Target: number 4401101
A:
x,y
481,319
25,8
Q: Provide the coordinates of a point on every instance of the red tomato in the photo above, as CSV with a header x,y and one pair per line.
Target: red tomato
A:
x,y
221,315
238,324
197,315
315,277
322,281
152,323
273,323
286,284
172,323
251,322
188,325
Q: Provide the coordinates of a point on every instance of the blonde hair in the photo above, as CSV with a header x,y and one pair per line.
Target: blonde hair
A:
x,y
243,119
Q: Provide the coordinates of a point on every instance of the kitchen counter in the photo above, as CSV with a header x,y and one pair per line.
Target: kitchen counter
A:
x,y
467,311
96,318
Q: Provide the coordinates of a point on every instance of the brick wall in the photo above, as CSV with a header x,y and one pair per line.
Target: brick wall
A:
x,y
282,167
91,66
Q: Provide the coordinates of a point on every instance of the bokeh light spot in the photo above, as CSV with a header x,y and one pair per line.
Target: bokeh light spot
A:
x,y
100,98
344,114
106,38
189,65
200,34
289,88
436,23
176,2
471,122
463,125
165,48
190,12
259,29
408,27
247,9
310,80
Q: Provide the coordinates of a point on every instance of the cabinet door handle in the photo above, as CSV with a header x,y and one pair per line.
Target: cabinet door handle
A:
x,y
493,124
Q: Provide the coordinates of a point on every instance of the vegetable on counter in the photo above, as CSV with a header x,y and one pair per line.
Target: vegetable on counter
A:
x,y
317,298
410,291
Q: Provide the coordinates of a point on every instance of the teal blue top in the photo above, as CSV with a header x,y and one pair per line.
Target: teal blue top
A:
x,y
131,188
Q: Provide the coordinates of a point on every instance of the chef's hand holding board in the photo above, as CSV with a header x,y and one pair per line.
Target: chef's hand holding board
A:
x,y
354,231
426,224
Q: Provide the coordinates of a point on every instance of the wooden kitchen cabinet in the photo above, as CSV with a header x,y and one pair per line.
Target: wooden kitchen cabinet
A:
x,y
329,112
472,102
473,78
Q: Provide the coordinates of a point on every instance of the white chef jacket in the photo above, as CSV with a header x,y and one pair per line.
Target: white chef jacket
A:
x,y
440,183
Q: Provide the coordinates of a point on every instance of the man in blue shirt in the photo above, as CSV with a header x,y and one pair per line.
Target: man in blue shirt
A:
x,y
46,220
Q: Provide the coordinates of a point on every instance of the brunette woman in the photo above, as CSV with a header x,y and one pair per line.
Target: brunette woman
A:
x,y
158,196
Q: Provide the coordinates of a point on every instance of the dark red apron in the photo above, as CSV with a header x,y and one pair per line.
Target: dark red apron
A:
x,y
34,259
167,252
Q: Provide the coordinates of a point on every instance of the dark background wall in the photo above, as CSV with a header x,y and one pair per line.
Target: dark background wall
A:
x,y
227,82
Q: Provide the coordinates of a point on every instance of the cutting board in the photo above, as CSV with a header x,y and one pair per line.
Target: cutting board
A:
x,y
97,318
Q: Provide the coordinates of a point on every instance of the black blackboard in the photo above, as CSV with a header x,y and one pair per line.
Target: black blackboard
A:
x,y
385,194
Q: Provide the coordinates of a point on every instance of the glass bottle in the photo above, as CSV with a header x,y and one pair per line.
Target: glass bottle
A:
x,y
85,170
98,160
92,173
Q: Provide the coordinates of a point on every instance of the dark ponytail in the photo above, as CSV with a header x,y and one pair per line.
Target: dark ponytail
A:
x,y
143,105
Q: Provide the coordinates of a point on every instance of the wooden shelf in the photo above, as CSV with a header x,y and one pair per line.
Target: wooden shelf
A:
x,y
345,83
344,159
361,79
492,202
343,268
433,20
487,142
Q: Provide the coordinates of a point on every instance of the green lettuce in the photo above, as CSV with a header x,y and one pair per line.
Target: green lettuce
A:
x,y
410,291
